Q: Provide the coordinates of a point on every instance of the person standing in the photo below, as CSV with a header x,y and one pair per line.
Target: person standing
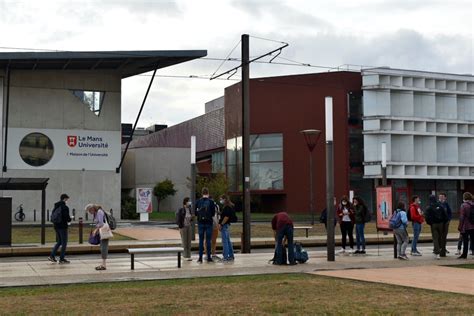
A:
x,y
61,229
184,219
345,214
361,211
228,213
99,218
282,226
466,227
400,232
417,219
437,217
205,211
443,200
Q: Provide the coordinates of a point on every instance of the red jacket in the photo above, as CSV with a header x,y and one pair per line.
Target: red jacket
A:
x,y
340,213
415,215
464,223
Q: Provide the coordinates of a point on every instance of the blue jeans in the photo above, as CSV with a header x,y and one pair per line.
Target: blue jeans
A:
x,y
207,230
360,238
416,235
227,248
287,231
61,240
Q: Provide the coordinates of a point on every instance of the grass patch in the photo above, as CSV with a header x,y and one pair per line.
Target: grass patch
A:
x,y
296,294
464,266
31,235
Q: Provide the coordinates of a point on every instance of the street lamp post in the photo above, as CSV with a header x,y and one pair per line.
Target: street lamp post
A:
x,y
329,179
311,137
193,184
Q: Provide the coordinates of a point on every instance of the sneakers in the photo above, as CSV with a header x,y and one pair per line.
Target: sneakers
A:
x,y
462,257
342,250
403,257
351,250
357,252
362,252
415,253
210,260
52,259
437,257
199,260
64,261
188,259
458,252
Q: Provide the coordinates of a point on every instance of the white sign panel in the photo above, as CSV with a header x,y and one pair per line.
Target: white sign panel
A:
x,y
144,196
58,149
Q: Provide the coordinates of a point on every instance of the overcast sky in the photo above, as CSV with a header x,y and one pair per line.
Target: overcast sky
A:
x,y
425,35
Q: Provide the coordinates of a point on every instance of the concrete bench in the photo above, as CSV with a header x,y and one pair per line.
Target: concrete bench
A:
x,y
134,251
307,228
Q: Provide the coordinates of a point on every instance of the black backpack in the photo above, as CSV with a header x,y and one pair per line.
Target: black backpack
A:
x,y
440,214
233,217
409,214
111,220
57,216
471,215
300,254
204,213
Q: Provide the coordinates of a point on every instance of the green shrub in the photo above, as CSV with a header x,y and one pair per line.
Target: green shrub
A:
x,y
129,207
162,190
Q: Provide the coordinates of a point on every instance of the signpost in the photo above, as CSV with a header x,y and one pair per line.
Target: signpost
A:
x,y
144,203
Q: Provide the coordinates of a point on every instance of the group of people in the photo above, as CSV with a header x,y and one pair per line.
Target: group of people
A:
x,y
210,219
61,229
438,215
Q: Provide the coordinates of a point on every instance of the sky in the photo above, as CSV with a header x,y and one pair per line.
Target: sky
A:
x,y
435,35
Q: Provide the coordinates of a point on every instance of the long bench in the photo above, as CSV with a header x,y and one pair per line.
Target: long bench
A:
x,y
134,251
307,228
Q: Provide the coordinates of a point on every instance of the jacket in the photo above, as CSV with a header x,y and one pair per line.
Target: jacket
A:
x,y
64,214
340,214
416,217
464,223
360,212
435,213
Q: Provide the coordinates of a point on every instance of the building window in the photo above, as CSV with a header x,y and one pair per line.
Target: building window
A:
x,y
266,162
92,99
218,165
36,149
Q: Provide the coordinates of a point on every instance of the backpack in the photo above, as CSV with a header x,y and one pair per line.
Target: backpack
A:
x,y
440,215
395,220
409,214
203,213
324,217
368,215
300,254
111,220
471,215
179,218
57,216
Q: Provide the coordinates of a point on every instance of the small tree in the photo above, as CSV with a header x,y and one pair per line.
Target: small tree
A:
x,y
162,190
216,183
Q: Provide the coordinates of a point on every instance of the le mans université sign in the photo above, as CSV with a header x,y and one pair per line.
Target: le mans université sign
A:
x,y
63,149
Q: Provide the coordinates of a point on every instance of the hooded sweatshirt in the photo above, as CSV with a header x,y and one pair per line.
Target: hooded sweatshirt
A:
x,y
464,223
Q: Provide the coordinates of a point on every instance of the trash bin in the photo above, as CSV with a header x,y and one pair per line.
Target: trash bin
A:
x,y
5,221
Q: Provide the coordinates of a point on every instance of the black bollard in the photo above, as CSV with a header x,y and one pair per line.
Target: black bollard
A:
x,y
80,229
87,216
47,215
34,215
73,214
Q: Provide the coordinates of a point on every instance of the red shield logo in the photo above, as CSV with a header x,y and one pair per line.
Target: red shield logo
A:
x,y
72,141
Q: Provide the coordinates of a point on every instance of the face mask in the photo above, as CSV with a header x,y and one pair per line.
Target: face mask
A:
x,y
344,203
221,201
188,204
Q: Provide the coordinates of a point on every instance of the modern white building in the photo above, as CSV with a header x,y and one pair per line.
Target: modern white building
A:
x,y
427,121
61,119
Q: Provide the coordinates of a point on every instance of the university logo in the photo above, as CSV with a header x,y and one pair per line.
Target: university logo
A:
x,y
72,141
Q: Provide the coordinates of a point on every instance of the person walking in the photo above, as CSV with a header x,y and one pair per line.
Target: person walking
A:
x,y
184,219
99,219
400,232
282,227
346,217
61,229
466,227
437,217
443,200
417,220
205,211
360,216
228,213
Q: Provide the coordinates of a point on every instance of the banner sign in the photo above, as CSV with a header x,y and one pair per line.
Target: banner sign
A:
x,y
384,207
63,149
144,197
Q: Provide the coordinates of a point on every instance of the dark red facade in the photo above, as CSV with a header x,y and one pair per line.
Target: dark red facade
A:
x,y
288,105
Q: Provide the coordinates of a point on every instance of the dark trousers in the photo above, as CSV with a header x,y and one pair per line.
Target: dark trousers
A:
x,y
346,229
469,234
286,231
61,240
439,238
205,231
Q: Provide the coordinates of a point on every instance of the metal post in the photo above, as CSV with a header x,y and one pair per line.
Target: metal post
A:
x,y
384,183
193,186
330,180
7,109
311,205
34,215
246,143
43,222
73,214
81,224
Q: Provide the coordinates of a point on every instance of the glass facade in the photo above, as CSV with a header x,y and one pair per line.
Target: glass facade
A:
x,y
218,164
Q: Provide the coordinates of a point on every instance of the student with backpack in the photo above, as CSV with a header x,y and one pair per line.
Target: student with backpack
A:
x,y
362,216
416,217
227,217
184,219
436,216
103,229
60,218
205,211
398,222
466,223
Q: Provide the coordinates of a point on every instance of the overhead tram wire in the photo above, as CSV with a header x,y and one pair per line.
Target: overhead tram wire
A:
x,y
228,55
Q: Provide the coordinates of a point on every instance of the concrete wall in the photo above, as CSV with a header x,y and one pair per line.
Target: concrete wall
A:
x,y
144,167
44,100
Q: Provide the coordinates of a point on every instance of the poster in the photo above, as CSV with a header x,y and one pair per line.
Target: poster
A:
x,y
384,207
144,197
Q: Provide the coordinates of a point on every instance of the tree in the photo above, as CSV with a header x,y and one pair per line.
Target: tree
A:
x,y
216,183
162,190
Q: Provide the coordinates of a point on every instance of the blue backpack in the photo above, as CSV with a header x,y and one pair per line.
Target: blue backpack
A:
x,y
395,220
300,254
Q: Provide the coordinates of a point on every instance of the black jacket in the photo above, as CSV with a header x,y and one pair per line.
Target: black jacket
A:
x,y
435,213
64,213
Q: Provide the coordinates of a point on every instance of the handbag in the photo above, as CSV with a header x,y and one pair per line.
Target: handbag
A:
x,y
94,239
105,231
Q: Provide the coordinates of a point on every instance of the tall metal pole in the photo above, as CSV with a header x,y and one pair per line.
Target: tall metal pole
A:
x,y
311,203
384,183
330,180
246,143
193,185
43,220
